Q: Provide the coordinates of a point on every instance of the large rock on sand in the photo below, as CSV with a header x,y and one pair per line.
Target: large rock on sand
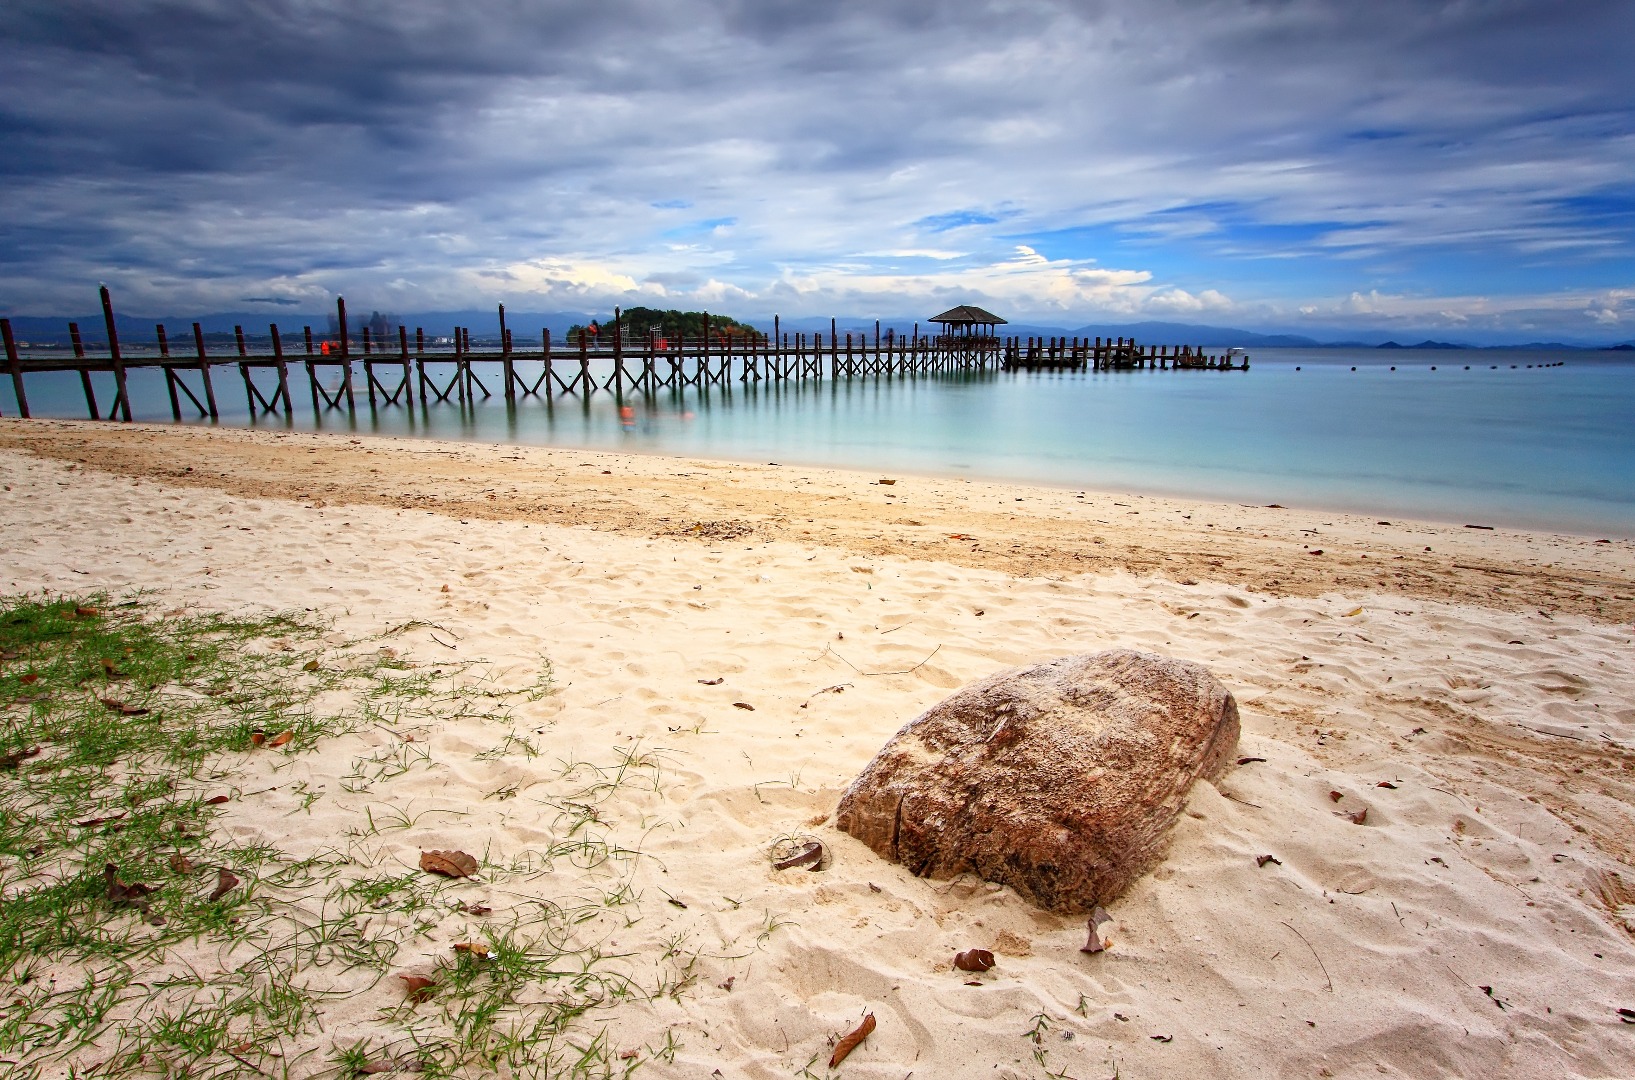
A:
x,y
1059,780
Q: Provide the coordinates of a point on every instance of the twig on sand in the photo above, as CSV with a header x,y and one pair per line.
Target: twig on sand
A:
x,y
905,671
443,643
1319,959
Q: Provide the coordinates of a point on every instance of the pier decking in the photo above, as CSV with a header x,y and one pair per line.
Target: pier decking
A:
x,y
455,371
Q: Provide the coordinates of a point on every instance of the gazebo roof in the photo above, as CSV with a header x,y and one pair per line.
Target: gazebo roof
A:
x,y
966,315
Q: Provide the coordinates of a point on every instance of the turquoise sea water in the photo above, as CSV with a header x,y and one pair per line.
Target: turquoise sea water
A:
x,y
1510,441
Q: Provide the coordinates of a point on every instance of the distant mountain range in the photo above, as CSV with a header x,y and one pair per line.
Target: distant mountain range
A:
x,y
526,327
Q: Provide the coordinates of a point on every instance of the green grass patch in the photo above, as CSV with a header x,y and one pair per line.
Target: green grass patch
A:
x,y
138,938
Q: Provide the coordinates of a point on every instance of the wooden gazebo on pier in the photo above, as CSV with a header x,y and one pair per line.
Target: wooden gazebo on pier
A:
x,y
969,333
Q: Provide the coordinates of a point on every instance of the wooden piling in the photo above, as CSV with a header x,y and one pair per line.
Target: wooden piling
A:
x,y
16,367
84,374
124,402
283,370
346,355
204,371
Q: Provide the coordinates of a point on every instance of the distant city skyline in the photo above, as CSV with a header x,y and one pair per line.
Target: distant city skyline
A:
x,y
1459,169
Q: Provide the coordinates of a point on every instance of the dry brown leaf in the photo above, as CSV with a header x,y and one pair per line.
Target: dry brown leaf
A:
x,y
281,738
419,988
974,960
216,800
1360,817
1098,919
473,909
93,822
851,1041
1336,796
712,682
1262,860
180,864
88,612
1247,760
743,705
115,705
310,665
31,677
454,864
133,895
808,854
477,950
1386,784
224,884
17,757
258,737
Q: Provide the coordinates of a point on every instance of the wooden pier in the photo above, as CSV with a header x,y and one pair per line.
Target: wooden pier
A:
x,y
396,373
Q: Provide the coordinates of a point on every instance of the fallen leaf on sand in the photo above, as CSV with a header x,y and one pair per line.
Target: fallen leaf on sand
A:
x,y
1386,784
850,1042
281,738
808,854
310,665
1098,919
1627,1015
727,985
1353,613
1335,795
216,800
17,757
133,895
454,864
1247,760
257,738
712,682
478,950
88,612
628,1055
224,884
93,822
974,960
473,909
1162,1038
31,677
1318,551
115,705
419,988
743,705
1360,817
180,864
1262,860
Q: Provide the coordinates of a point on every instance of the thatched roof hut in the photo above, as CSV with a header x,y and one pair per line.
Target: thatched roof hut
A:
x,y
968,316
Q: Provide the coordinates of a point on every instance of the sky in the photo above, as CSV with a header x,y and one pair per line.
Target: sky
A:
x,y
1465,169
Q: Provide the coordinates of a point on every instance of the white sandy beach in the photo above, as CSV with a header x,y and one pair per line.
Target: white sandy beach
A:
x,y
1489,675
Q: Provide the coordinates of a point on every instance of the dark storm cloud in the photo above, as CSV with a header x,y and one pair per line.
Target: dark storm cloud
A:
x,y
1270,156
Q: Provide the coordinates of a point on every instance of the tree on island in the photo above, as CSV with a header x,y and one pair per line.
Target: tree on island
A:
x,y
637,321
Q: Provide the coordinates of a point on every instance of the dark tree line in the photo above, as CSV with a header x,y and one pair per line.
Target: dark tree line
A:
x,y
637,321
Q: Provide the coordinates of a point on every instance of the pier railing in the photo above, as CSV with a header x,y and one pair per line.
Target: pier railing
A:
x,y
455,369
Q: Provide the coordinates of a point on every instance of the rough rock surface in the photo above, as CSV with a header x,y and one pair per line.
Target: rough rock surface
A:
x,y
1060,780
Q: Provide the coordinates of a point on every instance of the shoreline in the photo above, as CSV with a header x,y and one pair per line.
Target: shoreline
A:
x,y
1271,550
1489,735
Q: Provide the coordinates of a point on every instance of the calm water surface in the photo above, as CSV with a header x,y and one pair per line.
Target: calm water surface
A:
x,y
1499,443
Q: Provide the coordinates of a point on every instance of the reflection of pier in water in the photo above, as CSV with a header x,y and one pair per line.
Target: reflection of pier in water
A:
x,y
457,372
